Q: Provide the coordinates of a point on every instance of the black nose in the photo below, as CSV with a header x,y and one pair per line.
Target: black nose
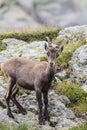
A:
x,y
51,64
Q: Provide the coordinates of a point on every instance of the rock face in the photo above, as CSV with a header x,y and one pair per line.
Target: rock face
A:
x,y
61,116
78,61
78,64
32,13
73,34
20,48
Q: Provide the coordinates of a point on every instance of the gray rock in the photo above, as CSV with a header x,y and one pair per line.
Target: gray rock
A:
x,y
61,75
10,20
84,86
33,51
73,34
78,65
56,79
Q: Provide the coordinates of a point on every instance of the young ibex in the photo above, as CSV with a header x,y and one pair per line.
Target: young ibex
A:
x,y
31,75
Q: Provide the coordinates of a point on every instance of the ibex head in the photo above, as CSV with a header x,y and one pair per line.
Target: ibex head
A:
x,y
53,51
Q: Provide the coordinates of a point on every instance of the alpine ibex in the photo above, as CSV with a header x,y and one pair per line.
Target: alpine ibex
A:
x,y
31,75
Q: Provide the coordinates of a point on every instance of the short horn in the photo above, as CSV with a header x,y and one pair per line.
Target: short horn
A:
x,y
48,40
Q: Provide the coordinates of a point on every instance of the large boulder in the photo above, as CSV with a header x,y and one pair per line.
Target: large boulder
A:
x,y
73,34
78,65
23,49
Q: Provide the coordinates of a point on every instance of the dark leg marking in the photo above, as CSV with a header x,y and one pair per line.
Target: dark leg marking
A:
x,y
13,97
46,113
40,106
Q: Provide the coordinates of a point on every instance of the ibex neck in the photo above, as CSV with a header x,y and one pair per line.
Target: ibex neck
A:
x,y
51,72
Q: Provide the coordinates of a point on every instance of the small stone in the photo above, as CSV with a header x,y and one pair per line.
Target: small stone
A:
x,y
61,75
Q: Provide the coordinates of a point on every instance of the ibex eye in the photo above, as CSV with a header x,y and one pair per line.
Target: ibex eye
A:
x,y
57,46
50,45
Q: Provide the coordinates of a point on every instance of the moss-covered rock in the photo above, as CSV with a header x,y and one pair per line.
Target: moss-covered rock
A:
x,y
72,90
82,127
76,94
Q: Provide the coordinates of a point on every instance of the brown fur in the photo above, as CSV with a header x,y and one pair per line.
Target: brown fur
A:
x,y
31,75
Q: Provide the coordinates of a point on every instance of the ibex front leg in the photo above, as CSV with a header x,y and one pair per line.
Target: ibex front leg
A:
x,y
40,106
46,113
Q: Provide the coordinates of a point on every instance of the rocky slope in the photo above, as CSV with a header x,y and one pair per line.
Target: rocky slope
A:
x,y
62,117
78,62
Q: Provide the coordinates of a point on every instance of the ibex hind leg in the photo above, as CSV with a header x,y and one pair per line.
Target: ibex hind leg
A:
x,y
10,84
13,97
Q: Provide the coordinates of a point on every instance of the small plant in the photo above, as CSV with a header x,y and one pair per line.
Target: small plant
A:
x,y
72,91
66,55
23,126
80,110
4,126
83,127
77,96
43,58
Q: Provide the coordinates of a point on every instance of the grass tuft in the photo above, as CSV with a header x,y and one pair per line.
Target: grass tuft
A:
x,y
23,126
68,51
29,36
77,96
83,127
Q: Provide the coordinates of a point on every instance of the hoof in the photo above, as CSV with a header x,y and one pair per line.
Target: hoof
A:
x,y
24,112
42,122
47,116
10,115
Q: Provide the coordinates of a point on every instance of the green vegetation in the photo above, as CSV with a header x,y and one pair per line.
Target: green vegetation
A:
x,y
72,91
28,36
66,55
23,126
83,127
77,96
20,126
43,58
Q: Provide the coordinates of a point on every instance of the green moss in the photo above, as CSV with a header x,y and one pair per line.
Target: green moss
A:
x,y
72,90
66,55
80,110
83,127
21,126
31,36
2,45
77,96
44,58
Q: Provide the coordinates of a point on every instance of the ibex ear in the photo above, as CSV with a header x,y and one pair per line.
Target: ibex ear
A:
x,y
46,46
48,40
61,48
